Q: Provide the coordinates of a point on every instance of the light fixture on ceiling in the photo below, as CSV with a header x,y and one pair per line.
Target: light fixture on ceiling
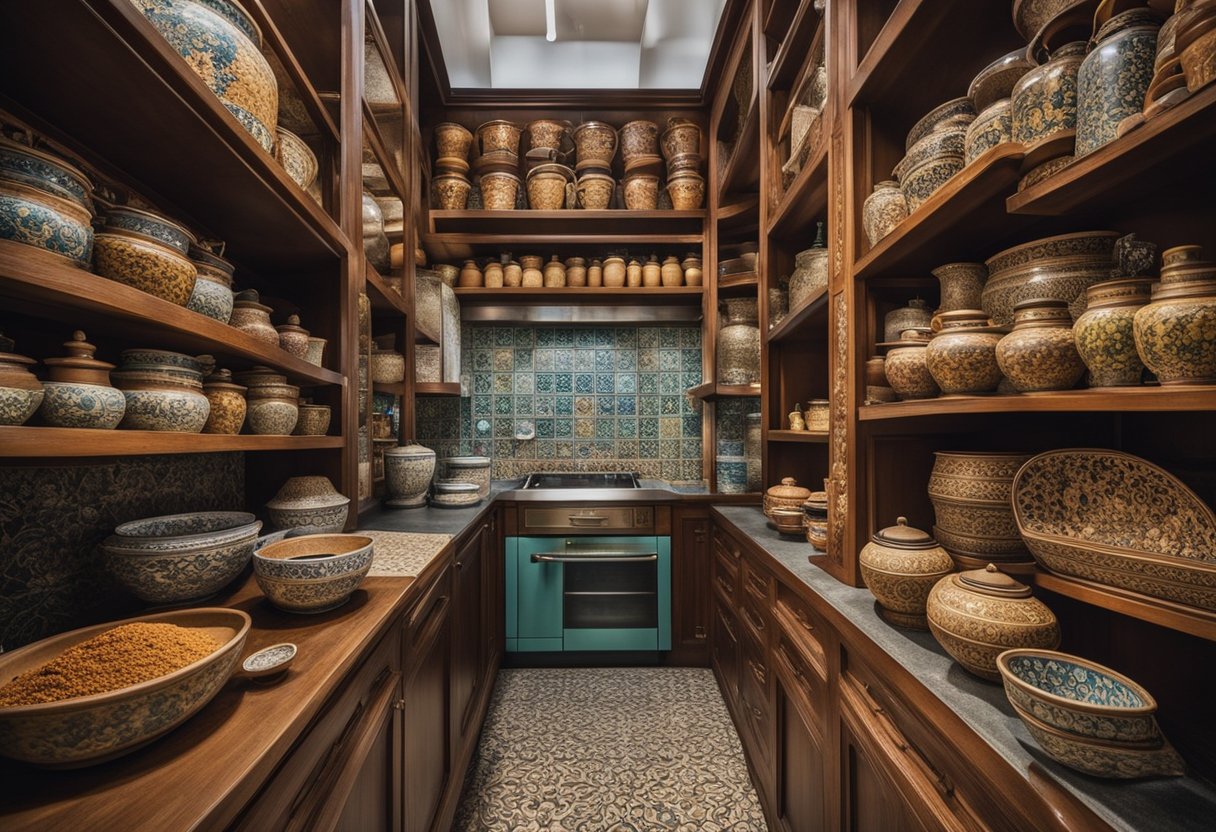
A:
x,y
550,20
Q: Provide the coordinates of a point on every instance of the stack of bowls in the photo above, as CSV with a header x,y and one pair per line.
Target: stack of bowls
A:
x,y
20,390
212,295
163,391
451,184
474,469
548,175
1175,333
498,164
310,504
312,573
971,495
935,150
1086,716
639,142
272,405
682,150
45,203
1195,43
1060,267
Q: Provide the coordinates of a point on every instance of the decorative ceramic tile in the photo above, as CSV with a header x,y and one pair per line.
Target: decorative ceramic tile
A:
x,y
605,406
584,361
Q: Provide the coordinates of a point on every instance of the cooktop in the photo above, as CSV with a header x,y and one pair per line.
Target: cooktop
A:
x,y
580,479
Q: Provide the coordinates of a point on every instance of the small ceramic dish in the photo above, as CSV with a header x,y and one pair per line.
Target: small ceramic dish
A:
x,y
455,494
269,664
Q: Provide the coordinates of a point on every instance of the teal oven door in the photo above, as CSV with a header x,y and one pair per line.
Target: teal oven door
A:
x,y
588,593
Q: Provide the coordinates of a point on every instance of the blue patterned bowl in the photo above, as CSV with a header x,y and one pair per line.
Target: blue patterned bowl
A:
x,y
93,729
211,299
47,173
150,226
181,557
44,220
69,405
1078,697
312,573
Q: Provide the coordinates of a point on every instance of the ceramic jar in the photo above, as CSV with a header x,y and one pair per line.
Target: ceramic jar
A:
x,y
652,273
227,402
817,415
633,274
956,111
738,354
883,210
253,317
145,264
1114,76
671,273
448,274
547,133
639,138
452,140
272,405
932,161
962,285
1105,333
686,190
786,494
474,469
512,275
554,275
1059,267
962,355
547,187
296,158
147,225
1176,332
595,273
900,565
499,191
450,494
316,351
906,369
293,338
595,143
979,614
810,277
470,276
913,316
20,390
614,272
991,128
163,391
796,419
1045,99
1040,354
452,191
681,136
693,270
641,191
313,420
77,393
594,191
493,275
815,520
387,367
531,276
972,497
45,203
212,295
309,504
498,136
408,470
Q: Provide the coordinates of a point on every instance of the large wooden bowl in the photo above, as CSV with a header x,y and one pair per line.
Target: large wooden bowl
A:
x,y
92,729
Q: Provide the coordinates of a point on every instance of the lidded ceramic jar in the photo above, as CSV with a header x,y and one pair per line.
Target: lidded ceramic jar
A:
x,y
1045,99
614,272
913,316
991,128
164,391
595,273
686,191
310,504
77,393
387,367
272,405
900,565
474,469
905,366
212,295
45,203
227,401
1176,332
408,470
1115,75
962,355
633,274
555,273
738,353
693,270
978,614
576,271
20,390
652,273
452,140
470,276
493,275
531,276
293,338
962,285
1040,353
786,494
883,210
810,275
1105,334
251,316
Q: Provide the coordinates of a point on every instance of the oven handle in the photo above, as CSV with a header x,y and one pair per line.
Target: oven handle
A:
x,y
597,557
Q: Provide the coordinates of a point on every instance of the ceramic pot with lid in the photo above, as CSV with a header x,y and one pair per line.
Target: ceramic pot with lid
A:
x,y
633,274
652,273
883,210
906,368
1105,334
979,614
251,316
272,405
455,494
738,350
810,275
309,504
293,338
1045,99
212,295
671,273
1040,353
693,270
78,392
554,275
916,314
900,565
45,203
20,390
227,401
163,390
1115,75
474,469
595,143
408,470
498,136
962,355
786,494
1176,332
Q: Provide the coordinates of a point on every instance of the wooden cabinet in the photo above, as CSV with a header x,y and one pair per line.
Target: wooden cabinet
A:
x,y
800,790
468,640
725,649
493,598
690,586
426,700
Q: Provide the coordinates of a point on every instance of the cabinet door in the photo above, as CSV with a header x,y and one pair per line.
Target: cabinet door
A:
x,y
871,801
725,650
467,639
493,593
690,568
800,758
425,719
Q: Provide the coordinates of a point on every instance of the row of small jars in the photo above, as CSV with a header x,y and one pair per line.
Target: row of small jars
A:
x,y
153,390
252,317
530,271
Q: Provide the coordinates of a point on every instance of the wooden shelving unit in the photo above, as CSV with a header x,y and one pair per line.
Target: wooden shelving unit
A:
x,y
38,442
527,226
807,321
451,388
806,199
742,174
709,391
818,437
1173,616
665,295
1140,399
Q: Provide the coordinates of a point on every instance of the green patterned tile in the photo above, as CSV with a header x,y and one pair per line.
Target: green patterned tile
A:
x,y
544,383
545,361
605,406
524,359
563,428
502,405
626,405
605,428
648,384
627,428
525,384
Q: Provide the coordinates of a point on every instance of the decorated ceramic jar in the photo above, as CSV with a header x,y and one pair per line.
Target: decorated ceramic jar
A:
x,y
316,351
388,366
222,44
962,285
20,390
452,140
1040,354
77,393
454,494
991,128
913,316
310,504
253,317
686,191
474,469
932,161
296,157
451,191
641,191
408,470
786,494
681,136
883,210
499,191
1114,76
900,565
738,350
639,138
972,497
293,338
145,264
1105,335
313,420
547,133
273,405
164,392
1052,267
978,614
595,143
1176,332
554,275
547,187
1045,99
594,191
227,401
45,203
906,368
962,355
212,295
810,275
148,225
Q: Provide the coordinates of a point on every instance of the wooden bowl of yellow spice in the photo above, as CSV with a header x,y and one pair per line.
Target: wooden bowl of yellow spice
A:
x,y
90,695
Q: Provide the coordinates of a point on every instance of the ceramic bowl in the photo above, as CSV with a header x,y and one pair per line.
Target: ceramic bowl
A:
x,y
211,299
174,411
313,420
296,157
44,171
451,191
34,217
455,494
1060,267
996,80
150,226
929,122
687,191
453,140
268,664
180,557
87,730
312,573
991,128
275,416
499,191
309,503
67,405
787,521
151,267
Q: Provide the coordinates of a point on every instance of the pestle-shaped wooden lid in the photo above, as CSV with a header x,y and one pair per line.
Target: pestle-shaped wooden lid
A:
x,y
79,366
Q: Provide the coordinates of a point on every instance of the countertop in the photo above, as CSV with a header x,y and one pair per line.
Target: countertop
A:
x,y
1178,803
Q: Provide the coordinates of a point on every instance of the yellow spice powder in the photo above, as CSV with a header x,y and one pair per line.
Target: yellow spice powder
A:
x,y
124,656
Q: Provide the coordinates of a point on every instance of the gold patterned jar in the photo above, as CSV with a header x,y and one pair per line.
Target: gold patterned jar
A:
x,y
293,338
817,415
786,494
962,355
979,614
962,285
810,272
227,403
1040,353
1105,332
387,367
253,317
738,352
900,565
906,369
915,314
1176,332
883,211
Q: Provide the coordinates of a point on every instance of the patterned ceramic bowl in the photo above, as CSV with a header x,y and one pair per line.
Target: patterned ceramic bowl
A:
x,y
269,663
37,218
172,409
312,573
211,299
149,266
181,557
149,226
92,729
68,405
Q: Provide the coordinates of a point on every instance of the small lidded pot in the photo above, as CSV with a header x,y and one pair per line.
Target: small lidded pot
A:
x,y
915,314
787,494
408,470
164,391
20,390
1105,332
906,369
78,393
693,270
273,405
576,271
227,403
815,520
250,315
1040,353
900,565
474,469
554,275
979,614
293,338
212,294
962,356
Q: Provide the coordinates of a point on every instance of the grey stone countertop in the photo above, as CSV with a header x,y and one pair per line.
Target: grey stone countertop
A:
x,y
1175,803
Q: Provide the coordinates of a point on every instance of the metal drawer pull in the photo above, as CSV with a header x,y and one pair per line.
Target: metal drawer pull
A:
x,y
587,520
594,557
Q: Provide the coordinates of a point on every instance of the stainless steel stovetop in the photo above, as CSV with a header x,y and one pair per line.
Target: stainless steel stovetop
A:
x,y
581,480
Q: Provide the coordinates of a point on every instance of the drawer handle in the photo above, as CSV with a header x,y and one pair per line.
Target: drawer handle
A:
x,y
804,621
789,659
753,620
587,519
758,671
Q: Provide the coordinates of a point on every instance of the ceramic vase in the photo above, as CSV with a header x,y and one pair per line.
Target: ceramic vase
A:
x,y
77,393
883,211
20,390
253,317
962,355
1105,334
1114,76
1176,332
614,272
900,565
962,285
906,368
1040,353
652,273
738,353
633,274
972,495
671,274
1045,99
693,270
408,470
293,338
212,295
810,276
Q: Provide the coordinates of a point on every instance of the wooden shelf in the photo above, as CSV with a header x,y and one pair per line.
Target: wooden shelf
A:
x,y
739,217
1175,143
795,47
813,436
807,322
665,295
709,391
163,128
805,201
436,388
1115,400
965,219
383,297
611,226
1186,619
741,280
43,285
742,172
27,441
396,388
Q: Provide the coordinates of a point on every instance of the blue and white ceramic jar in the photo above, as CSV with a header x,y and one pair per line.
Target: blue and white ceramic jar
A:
x,y
45,203
78,393
1114,76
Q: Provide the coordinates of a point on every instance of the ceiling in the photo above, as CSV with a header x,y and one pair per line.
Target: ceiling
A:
x,y
599,44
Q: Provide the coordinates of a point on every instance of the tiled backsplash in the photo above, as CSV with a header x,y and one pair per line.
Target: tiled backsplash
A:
x,y
598,398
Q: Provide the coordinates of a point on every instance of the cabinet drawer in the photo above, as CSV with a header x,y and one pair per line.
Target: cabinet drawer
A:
x,y
803,682
725,648
726,575
755,684
803,628
426,616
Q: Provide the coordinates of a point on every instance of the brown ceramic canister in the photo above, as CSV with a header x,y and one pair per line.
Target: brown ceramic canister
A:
x,y
652,273
614,272
693,270
293,338
906,368
227,403
786,494
78,392
470,276
494,275
512,275
555,274
900,566
633,274
595,273
1040,353
251,316
962,356
671,273
576,271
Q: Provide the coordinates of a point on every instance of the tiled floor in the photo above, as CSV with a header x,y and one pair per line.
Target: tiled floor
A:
x,y
608,750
